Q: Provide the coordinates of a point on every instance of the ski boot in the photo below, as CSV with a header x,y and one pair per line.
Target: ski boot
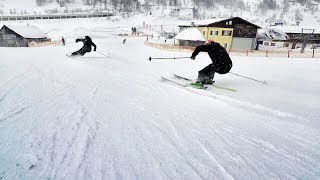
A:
x,y
208,81
197,85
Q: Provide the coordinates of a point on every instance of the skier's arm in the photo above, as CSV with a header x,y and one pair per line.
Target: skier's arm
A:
x,y
95,47
77,40
201,48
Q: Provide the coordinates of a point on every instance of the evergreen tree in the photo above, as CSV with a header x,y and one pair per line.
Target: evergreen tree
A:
x,y
298,16
40,2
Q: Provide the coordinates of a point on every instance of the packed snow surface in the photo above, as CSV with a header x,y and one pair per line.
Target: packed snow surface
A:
x,y
108,114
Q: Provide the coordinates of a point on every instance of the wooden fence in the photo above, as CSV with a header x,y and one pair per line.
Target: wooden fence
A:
x,y
64,16
46,43
169,47
312,53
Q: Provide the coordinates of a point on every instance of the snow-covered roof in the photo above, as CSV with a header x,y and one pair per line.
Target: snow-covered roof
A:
x,y
272,33
191,34
203,22
27,31
207,22
298,29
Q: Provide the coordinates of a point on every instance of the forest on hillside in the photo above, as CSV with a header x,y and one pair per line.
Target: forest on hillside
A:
x,y
271,9
130,5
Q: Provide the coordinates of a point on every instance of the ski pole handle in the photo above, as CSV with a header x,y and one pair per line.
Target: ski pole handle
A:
x,y
150,58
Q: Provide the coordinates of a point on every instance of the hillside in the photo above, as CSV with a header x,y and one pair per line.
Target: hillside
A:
x,y
261,12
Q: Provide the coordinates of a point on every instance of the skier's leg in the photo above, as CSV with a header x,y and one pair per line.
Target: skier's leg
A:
x,y
76,53
206,74
211,75
84,51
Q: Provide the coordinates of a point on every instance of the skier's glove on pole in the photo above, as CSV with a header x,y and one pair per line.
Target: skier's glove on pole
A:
x,y
193,57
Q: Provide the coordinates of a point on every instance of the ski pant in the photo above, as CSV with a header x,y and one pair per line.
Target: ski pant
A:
x,y
81,52
206,73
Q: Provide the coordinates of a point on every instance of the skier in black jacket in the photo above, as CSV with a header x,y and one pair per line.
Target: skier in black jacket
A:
x,y
221,62
87,43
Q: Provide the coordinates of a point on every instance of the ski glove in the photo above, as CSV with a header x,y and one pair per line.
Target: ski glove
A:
x,y
193,57
94,49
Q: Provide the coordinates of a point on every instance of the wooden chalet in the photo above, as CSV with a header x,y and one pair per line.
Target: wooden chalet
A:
x,y
20,36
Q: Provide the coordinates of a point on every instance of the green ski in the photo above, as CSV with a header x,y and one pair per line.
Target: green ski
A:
x,y
214,85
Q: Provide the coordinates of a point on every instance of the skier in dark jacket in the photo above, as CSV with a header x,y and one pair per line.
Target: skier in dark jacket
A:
x,y
221,62
87,43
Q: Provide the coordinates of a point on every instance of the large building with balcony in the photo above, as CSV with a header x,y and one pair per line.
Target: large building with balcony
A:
x,y
232,33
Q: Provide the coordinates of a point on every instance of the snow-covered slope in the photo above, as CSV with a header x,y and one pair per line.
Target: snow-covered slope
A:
x,y
108,115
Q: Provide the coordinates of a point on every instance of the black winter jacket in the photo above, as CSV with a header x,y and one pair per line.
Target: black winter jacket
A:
x,y
87,43
218,54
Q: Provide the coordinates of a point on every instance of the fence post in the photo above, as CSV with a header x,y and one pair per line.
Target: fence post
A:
x,y
313,54
267,53
247,52
288,53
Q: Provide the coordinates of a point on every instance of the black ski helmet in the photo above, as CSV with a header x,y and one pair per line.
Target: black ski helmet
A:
x,y
87,38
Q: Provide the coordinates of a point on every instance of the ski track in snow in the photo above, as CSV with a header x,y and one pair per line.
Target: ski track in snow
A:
x,y
112,118
245,105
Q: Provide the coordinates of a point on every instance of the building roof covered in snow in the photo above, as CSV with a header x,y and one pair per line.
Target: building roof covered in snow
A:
x,y
298,29
272,33
203,22
27,31
191,34
212,22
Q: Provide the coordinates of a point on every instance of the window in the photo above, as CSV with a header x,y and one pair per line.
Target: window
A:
x,y
11,43
225,45
273,44
286,45
230,23
266,43
226,33
204,33
214,33
227,23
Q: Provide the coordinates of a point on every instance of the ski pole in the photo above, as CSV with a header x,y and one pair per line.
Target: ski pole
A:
x,y
70,42
150,58
101,53
264,82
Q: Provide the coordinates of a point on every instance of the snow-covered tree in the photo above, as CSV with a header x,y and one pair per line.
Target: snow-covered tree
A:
x,y
40,2
14,11
268,4
61,2
298,16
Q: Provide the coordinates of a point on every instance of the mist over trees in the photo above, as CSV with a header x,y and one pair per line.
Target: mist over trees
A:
x,y
233,5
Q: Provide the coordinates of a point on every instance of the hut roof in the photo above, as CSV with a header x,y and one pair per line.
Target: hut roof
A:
x,y
191,34
27,31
